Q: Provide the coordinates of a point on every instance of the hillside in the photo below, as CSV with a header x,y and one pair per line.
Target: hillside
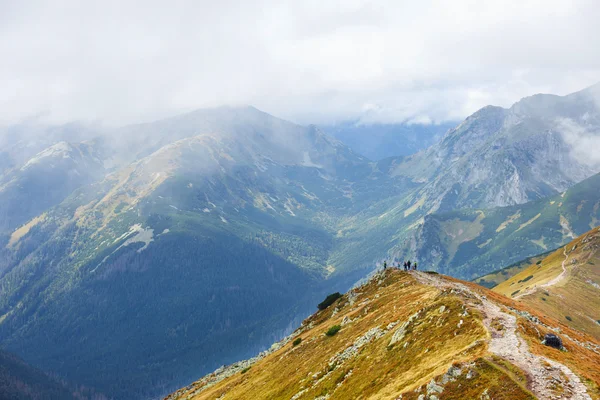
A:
x,y
565,285
494,278
415,335
467,243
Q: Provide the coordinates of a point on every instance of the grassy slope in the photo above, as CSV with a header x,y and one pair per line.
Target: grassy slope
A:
x,y
495,278
576,296
434,341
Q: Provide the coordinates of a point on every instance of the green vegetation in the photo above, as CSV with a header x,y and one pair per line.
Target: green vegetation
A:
x,y
526,279
246,370
333,330
483,245
568,318
296,342
329,300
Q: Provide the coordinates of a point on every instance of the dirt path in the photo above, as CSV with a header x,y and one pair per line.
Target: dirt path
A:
x,y
543,373
562,274
552,282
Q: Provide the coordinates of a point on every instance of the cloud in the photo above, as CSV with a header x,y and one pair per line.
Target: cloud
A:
x,y
583,140
310,61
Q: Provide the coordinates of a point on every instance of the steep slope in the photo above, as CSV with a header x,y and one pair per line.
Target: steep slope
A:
x,y
469,243
45,180
19,381
379,141
501,157
415,335
565,285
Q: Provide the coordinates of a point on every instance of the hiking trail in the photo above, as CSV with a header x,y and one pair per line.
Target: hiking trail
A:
x,y
543,373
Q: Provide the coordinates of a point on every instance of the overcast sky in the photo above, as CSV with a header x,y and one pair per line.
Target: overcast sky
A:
x,y
308,61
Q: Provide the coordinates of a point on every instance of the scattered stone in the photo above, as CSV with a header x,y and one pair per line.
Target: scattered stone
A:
x,y
433,387
401,332
442,309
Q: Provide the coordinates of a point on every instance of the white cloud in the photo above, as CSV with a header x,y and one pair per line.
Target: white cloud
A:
x,y
310,61
583,140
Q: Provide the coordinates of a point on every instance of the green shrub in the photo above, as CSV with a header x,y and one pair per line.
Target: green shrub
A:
x,y
333,330
297,341
432,272
526,279
538,263
329,300
568,318
246,370
515,292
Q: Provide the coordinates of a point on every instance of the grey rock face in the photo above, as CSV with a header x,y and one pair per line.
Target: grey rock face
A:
x,y
500,157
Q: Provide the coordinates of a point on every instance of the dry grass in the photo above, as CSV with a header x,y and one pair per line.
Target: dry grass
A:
x,y
575,296
432,343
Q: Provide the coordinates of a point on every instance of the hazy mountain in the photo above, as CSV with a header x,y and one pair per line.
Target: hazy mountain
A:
x,y
199,252
500,157
45,180
20,142
415,336
379,141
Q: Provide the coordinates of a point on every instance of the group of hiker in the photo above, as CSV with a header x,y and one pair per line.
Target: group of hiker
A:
x,y
408,265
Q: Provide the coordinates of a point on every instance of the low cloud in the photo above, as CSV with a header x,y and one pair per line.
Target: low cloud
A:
x,y
584,141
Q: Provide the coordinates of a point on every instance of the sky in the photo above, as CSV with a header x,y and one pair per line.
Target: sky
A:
x,y
310,61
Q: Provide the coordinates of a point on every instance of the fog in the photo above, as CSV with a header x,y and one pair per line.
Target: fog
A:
x,y
123,62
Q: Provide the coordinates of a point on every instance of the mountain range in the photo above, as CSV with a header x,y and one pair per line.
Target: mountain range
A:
x,y
151,254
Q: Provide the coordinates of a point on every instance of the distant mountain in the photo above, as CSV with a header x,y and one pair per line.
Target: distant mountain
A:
x,y
203,250
20,142
379,141
19,381
501,157
415,336
564,285
45,180
473,242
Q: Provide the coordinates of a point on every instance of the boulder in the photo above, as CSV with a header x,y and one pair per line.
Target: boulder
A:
x,y
553,340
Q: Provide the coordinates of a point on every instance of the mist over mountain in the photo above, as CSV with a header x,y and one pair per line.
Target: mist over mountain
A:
x,y
379,141
150,254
